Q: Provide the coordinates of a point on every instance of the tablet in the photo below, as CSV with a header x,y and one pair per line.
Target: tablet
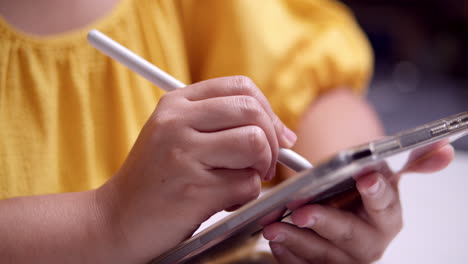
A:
x,y
333,176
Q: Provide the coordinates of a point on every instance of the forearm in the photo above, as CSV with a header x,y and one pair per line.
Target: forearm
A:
x,y
337,120
57,228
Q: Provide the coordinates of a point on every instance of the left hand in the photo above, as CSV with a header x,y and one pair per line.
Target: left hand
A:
x,y
323,234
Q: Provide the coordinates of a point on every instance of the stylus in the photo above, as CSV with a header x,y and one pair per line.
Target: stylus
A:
x,y
168,83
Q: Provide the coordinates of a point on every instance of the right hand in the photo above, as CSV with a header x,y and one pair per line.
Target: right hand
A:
x,y
204,149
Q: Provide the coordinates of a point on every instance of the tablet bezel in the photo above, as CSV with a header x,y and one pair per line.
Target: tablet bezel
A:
x,y
313,184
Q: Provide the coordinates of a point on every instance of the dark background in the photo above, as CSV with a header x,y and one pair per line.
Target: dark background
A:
x,y
421,59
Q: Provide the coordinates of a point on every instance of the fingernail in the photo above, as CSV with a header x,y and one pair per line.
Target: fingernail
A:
x,y
271,175
374,188
277,249
279,238
289,136
309,223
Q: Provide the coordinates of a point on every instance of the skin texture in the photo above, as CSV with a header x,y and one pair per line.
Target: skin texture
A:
x,y
124,221
209,144
62,16
325,234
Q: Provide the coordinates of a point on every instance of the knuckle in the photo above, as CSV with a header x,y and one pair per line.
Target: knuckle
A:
x,y
373,251
243,84
191,190
390,208
249,107
166,98
250,173
278,123
394,226
164,116
399,224
164,120
177,155
256,139
251,188
260,149
375,254
347,234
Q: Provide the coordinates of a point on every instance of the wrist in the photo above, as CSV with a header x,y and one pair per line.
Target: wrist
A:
x,y
109,226
140,225
128,225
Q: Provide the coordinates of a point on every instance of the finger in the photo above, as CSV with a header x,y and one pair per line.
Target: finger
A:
x,y
221,113
274,216
239,85
381,203
434,161
233,208
341,228
237,148
283,255
305,244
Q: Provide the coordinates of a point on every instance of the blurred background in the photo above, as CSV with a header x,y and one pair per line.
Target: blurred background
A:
x,y
421,62
421,59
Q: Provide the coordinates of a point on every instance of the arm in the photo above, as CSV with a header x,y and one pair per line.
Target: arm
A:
x,y
204,149
57,228
338,120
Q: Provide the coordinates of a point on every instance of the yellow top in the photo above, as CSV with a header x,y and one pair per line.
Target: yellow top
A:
x,y
69,115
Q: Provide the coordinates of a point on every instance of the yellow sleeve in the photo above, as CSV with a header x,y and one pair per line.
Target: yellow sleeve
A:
x,y
293,49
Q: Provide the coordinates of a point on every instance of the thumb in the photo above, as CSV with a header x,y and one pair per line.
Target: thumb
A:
x,y
286,137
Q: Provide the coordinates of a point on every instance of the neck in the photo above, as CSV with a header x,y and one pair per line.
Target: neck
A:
x,y
49,17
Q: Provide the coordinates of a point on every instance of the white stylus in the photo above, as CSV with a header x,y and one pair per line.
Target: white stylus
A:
x,y
168,83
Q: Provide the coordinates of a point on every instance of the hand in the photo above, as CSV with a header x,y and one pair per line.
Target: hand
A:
x,y
324,234
205,148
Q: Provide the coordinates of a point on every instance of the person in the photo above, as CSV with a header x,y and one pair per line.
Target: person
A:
x,y
91,172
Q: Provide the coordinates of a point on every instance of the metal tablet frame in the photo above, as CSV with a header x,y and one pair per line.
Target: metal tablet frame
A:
x,y
315,182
